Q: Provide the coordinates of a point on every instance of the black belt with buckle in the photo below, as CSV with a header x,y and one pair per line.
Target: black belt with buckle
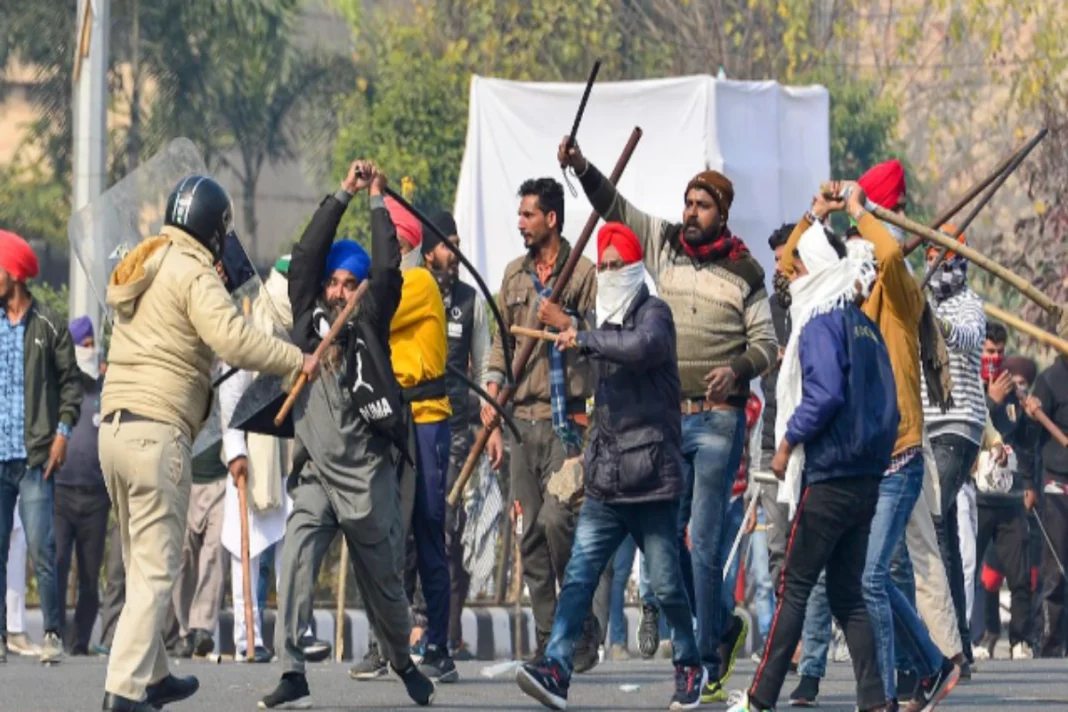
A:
x,y
128,416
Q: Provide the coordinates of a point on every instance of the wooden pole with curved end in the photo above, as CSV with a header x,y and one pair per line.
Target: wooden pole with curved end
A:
x,y
246,564
521,359
335,329
1026,327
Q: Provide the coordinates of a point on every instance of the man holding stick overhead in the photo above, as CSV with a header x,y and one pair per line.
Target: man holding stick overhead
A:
x,y
715,289
550,401
634,468
351,432
171,313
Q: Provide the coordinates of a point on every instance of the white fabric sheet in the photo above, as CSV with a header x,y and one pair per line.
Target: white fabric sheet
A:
x,y
772,141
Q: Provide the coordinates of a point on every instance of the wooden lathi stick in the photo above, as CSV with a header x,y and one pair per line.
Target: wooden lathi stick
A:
x,y
246,565
540,334
335,329
972,255
342,583
1027,328
521,359
915,241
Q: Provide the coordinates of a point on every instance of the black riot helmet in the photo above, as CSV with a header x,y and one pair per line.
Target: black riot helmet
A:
x,y
202,208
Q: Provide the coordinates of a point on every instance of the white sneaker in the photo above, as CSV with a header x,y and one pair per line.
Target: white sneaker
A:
x,y
739,702
1022,651
980,653
20,644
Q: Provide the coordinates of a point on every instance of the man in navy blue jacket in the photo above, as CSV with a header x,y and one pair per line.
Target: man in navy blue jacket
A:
x,y
634,469
836,425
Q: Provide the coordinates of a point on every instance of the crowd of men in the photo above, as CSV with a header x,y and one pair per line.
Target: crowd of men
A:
x,y
911,474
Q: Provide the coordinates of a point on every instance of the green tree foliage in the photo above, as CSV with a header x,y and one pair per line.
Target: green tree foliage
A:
x,y
33,204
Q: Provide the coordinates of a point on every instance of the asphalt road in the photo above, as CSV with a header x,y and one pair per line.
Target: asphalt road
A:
x,y
77,684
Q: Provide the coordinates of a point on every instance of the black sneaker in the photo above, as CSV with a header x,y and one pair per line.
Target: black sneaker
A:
x,y
202,642
315,650
461,653
933,690
806,692
371,667
907,680
689,681
587,651
545,681
438,666
184,647
649,631
292,693
260,654
730,645
420,687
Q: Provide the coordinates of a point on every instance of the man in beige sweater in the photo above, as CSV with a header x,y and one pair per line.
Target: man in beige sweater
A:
x,y
172,316
715,289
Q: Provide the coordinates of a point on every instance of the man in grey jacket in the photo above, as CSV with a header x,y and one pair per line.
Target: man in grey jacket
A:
x,y
350,427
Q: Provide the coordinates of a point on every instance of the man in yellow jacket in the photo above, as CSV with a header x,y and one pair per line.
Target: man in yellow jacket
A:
x,y
419,349
173,316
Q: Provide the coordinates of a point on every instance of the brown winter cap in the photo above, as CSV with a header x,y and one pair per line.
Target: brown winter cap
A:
x,y
718,185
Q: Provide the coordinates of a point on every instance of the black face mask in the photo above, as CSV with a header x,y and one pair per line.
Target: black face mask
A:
x,y
782,289
444,277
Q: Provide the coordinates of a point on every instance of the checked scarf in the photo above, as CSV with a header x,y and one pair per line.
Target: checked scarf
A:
x,y
563,427
949,278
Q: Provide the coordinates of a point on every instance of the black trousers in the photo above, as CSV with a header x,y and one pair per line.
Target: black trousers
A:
x,y
1005,528
1055,518
954,456
115,590
81,525
830,530
461,440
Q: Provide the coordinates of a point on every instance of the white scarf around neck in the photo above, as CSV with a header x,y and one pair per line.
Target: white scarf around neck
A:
x,y
831,283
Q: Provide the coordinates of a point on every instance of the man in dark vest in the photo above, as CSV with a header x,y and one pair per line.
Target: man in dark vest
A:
x,y
470,341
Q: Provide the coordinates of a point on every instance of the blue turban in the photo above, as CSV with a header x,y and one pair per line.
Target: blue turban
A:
x,y
348,255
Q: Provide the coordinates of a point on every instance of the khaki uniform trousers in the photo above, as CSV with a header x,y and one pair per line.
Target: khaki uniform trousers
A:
x,y
147,470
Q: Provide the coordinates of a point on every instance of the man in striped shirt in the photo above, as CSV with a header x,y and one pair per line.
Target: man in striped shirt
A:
x,y
956,434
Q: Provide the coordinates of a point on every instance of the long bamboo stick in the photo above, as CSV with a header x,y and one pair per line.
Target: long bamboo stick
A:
x,y
540,334
521,359
915,241
970,254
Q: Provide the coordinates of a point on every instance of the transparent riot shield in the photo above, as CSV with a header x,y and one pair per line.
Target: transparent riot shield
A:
x,y
105,230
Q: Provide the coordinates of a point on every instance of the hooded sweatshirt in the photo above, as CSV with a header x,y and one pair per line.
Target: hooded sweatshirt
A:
x,y
172,313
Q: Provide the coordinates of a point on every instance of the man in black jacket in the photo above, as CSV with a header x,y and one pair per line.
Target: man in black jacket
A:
x,y
349,428
1051,396
634,470
40,400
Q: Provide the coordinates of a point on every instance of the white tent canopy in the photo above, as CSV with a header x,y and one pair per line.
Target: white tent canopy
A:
x,y
772,141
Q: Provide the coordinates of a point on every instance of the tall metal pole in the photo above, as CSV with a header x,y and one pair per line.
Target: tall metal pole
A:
x,y
90,132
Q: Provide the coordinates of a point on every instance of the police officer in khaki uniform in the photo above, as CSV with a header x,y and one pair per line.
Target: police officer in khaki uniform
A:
x,y
172,316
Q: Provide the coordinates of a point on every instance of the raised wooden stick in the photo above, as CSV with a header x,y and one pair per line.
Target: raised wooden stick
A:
x,y
246,565
335,329
915,241
540,334
1027,328
970,254
520,365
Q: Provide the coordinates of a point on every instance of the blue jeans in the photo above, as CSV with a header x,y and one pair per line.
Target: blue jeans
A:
x,y
621,567
816,635
732,524
601,529
712,447
892,616
760,574
36,500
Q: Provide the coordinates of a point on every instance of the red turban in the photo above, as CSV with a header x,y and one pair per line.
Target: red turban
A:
x,y
884,184
623,239
16,257
408,226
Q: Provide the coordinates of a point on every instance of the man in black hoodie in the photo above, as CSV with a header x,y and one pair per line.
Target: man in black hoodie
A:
x,y
1051,396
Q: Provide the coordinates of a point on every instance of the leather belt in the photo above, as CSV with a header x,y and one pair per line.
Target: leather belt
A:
x,y
693,406
127,416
